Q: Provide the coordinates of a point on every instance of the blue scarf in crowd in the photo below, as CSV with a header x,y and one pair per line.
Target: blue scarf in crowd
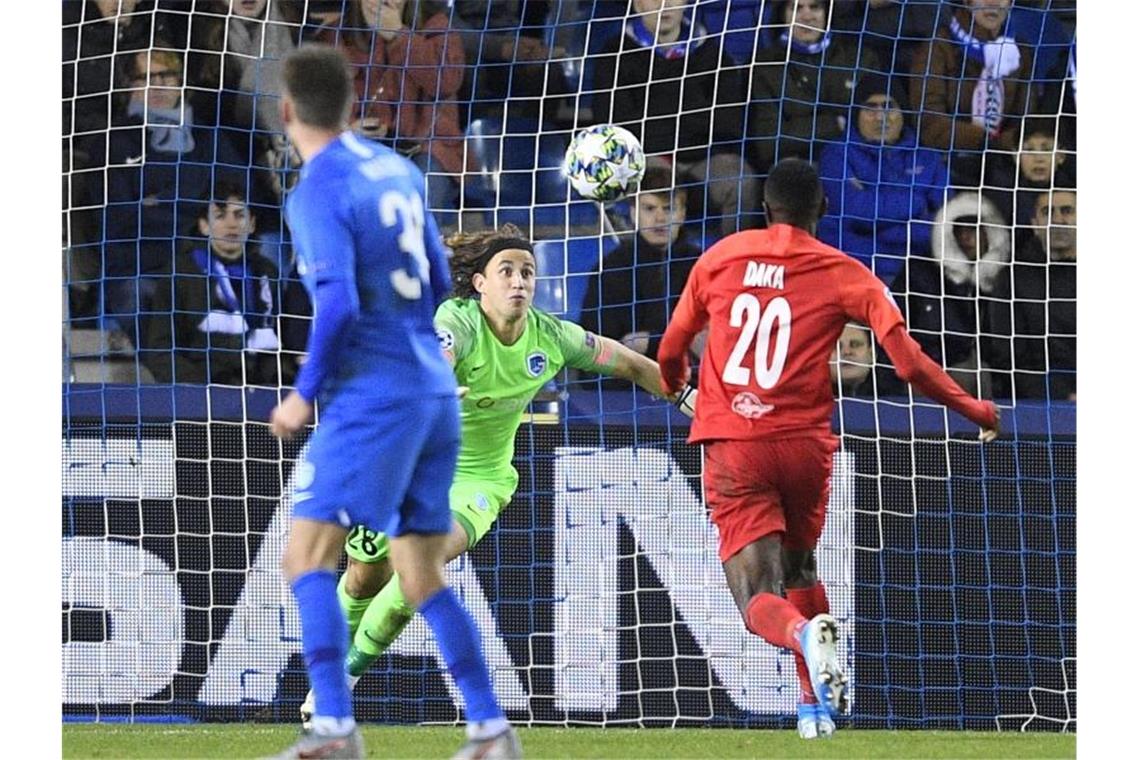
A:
x,y
692,35
252,314
170,130
813,48
998,59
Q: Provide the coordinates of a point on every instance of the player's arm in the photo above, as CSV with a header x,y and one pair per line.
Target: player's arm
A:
x,y
336,305
867,300
918,369
596,353
455,335
688,320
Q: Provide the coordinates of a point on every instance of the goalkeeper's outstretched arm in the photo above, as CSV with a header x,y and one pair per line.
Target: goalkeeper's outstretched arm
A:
x,y
627,364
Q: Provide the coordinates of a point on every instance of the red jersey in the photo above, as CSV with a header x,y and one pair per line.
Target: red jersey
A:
x,y
775,302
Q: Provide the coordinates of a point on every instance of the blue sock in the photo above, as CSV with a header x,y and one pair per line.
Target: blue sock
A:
x,y
324,641
459,643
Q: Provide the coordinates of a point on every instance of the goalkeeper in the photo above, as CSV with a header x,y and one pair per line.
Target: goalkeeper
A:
x,y
503,351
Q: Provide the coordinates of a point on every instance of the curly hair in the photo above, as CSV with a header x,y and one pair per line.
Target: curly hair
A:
x,y
467,254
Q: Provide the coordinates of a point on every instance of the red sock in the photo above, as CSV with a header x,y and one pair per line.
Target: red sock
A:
x,y
810,602
774,619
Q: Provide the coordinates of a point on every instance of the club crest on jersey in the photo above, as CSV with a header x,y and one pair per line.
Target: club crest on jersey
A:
x,y
750,407
536,364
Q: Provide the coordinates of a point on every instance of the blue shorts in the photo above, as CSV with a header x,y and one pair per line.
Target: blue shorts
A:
x,y
388,466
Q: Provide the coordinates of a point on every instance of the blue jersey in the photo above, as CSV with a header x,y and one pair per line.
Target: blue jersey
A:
x,y
362,231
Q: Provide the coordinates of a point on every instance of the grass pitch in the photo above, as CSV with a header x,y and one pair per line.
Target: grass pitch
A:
x,y
243,740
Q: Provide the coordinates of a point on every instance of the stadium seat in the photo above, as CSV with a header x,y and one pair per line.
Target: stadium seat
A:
x,y
110,370
520,176
481,189
564,271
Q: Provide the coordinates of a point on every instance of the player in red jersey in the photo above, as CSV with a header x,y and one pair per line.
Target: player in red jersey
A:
x,y
775,301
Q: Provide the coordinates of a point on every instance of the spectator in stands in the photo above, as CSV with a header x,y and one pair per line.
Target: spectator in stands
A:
x,y
852,362
664,79
1048,32
215,316
882,189
971,84
631,299
323,21
855,370
891,29
1045,161
294,325
93,32
950,293
160,162
802,85
408,69
509,68
98,35
237,46
1039,321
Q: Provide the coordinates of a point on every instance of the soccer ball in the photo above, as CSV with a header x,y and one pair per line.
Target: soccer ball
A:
x,y
604,162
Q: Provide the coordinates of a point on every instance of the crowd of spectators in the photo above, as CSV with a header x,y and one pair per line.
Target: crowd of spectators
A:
x,y
944,132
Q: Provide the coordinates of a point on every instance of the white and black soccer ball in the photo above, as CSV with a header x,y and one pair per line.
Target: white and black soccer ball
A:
x,y
604,162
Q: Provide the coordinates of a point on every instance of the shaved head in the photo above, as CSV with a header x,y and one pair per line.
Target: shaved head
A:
x,y
793,193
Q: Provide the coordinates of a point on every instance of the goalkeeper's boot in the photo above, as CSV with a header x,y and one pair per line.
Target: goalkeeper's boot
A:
x,y
348,746
825,724
307,708
807,721
504,746
817,644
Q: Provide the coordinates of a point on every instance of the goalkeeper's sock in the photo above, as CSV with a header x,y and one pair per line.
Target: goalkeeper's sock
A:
x,y
774,619
460,646
324,639
810,602
385,619
353,608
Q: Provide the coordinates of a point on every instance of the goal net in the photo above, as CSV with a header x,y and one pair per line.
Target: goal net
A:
x,y
945,139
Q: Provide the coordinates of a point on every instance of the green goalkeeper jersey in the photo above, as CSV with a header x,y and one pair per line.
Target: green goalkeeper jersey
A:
x,y
504,379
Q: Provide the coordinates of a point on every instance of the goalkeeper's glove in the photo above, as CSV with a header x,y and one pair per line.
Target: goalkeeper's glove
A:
x,y
686,400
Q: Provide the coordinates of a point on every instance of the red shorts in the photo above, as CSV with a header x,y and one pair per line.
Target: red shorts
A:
x,y
755,488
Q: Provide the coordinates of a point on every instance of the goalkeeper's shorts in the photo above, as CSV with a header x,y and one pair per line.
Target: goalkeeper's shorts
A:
x,y
758,488
475,504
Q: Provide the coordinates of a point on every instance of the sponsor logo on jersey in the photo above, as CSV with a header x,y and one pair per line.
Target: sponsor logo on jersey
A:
x,y
536,364
446,338
482,502
750,407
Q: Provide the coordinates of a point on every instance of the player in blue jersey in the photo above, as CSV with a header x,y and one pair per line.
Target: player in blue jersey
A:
x,y
385,451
